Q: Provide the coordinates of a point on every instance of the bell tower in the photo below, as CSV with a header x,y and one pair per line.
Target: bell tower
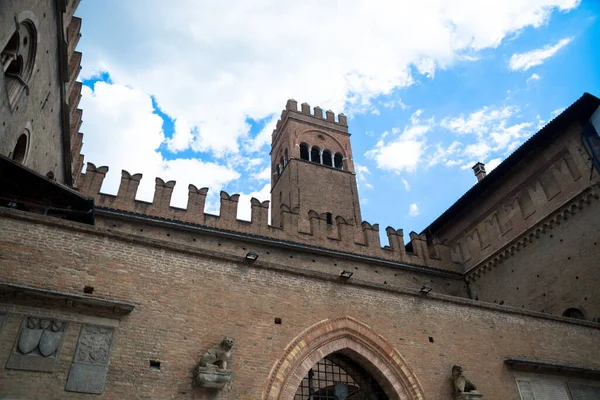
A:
x,y
312,166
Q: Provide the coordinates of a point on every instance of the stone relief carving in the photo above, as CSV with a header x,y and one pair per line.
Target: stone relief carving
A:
x,y
92,356
38,344
212,370
94,344
463,388
41,337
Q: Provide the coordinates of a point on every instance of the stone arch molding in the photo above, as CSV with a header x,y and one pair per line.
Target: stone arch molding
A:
x,y
353,338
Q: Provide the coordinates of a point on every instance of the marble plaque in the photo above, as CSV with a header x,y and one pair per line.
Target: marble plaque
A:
x,y
92,356
37,345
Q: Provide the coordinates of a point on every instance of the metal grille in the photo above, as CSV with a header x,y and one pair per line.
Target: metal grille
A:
x,y
338,377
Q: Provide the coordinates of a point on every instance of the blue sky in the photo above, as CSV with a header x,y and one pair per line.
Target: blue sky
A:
x,y
191,91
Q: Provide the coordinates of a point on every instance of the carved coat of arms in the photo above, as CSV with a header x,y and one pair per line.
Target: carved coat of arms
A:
x,y
40,336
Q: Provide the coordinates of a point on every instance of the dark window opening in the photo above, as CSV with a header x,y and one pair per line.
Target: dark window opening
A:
x,y
573,313
285,158
20,149
315,155
304,151
329,218
430,339
154,364
327,158
277,321
338,160
88,289
281,163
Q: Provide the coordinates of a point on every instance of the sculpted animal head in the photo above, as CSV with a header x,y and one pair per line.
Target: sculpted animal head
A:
x,y
227,344
456,371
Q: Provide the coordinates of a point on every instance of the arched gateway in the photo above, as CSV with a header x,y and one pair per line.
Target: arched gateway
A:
x,y
362,359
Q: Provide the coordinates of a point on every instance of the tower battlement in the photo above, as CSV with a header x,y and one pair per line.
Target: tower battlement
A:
x,y
312,228
327,120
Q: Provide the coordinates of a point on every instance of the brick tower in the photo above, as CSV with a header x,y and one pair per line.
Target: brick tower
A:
x,y
312,167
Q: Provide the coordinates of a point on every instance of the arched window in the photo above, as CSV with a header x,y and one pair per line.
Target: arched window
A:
x,y
338,161
20,150
327,158
304,151
281,163
17,59
285,158
315,155
573,313
329,217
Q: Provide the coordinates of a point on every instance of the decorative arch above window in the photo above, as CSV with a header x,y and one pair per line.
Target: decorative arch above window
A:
x,y
18,57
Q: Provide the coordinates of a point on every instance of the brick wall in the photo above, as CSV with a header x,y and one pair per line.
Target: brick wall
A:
x,y
553,270
188,299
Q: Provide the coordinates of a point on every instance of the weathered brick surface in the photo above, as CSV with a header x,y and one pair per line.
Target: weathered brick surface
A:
x,y
188,299
554,270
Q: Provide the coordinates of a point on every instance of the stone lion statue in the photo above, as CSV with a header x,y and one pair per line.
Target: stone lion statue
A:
x,y
460,384
217,356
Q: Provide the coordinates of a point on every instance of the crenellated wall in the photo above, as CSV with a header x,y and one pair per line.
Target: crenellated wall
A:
x,y
312,229
532,190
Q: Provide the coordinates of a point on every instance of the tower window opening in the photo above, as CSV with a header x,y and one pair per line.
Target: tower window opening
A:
x,y
304,152
281,165
573,313
315,155
327,160
285,158
20,150
329,218
338,161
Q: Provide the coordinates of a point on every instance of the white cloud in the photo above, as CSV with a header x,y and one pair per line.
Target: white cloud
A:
x,y
524,61
492,129
406,184
244,208
413,210
556,112
361,173
533,77
212,65
479,121
122,131
492,164
263,175
402,152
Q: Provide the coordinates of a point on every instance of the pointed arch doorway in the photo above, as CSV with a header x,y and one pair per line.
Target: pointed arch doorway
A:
x,y
363,360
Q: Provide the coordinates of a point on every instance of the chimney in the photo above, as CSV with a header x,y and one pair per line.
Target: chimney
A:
x,y
479,170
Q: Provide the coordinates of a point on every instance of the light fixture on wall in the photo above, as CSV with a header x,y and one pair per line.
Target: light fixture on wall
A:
x,y
346,274
251,257
426,289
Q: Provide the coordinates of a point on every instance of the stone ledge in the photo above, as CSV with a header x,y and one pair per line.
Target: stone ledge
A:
x,y
550,367
113,305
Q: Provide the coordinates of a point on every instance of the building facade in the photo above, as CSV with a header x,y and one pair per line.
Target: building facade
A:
x,y
105,296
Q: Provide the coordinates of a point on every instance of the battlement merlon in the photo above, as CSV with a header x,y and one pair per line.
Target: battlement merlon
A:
x,y
315,118
339,234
